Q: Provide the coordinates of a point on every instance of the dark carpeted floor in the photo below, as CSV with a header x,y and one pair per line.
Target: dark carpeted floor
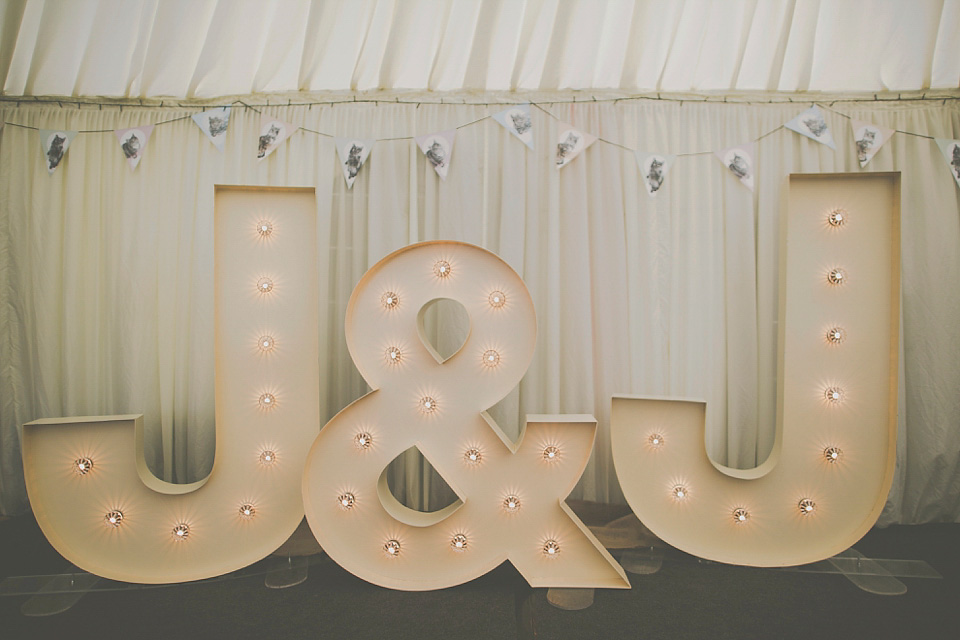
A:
x,y
685,599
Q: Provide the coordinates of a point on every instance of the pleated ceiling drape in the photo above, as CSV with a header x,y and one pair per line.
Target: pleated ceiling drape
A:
x,y
206,48
106,282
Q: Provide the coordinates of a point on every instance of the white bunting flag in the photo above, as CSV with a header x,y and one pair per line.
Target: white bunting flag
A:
x,y
570,143
517,121
54,145
810,123
214,122
133,142
740,161
353,153
951,151
273,133
653,167
438,147
868,138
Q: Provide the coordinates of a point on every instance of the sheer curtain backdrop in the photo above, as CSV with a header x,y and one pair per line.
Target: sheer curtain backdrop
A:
x,y
106,279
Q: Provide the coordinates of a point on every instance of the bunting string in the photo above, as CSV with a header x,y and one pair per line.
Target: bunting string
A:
x,y
438,147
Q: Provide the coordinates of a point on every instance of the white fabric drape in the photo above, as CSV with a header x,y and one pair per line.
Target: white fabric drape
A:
x,y
203,48
106,275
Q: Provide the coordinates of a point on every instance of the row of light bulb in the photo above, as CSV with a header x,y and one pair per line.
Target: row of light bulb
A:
x,y
181,530
84,465
830,453
510,503
265,343
740,514
473,455
391,300
489,358
460,543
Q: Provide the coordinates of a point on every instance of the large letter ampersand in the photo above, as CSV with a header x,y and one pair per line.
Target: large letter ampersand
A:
x,y
511,496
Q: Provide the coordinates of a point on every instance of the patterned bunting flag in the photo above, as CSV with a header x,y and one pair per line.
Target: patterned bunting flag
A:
x,y
273,133
438,147
213,123
570,143
740,161
868,138
133,142
951,151
517,121
653,167
54,145
810,123
353,153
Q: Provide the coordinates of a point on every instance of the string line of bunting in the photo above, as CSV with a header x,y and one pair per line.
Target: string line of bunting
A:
x,y
437,147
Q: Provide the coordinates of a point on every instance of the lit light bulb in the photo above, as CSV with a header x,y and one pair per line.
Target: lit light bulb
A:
x,y
264,285
740,515
473,456
114,518
511,504
458,542
497,299
394,356
392,548
389,300
428,404
680,492
655,440
835,335
551,548
806,506
491,358
836,276
551,453
83,466
181,532
264,228
363,440
247,511
266,343
837,217
441,268
268,457
346,501
267,401
832,454
833,394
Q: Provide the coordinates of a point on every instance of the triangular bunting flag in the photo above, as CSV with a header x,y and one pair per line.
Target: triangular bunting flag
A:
x,y
438,147
54,145
353,153
273,133
740,161
810,123
951,151
570,143
868,138
653,167
133,141
214,122
517,121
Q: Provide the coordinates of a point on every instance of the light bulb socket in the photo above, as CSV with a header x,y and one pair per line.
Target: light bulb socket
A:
x,y
497,299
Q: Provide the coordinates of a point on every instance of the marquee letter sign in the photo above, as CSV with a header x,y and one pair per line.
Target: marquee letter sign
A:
x,y
88,483
511,496
832,464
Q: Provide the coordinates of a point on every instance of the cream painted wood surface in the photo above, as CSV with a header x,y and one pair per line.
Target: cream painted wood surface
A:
x,y
826,481
511,495
89,486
